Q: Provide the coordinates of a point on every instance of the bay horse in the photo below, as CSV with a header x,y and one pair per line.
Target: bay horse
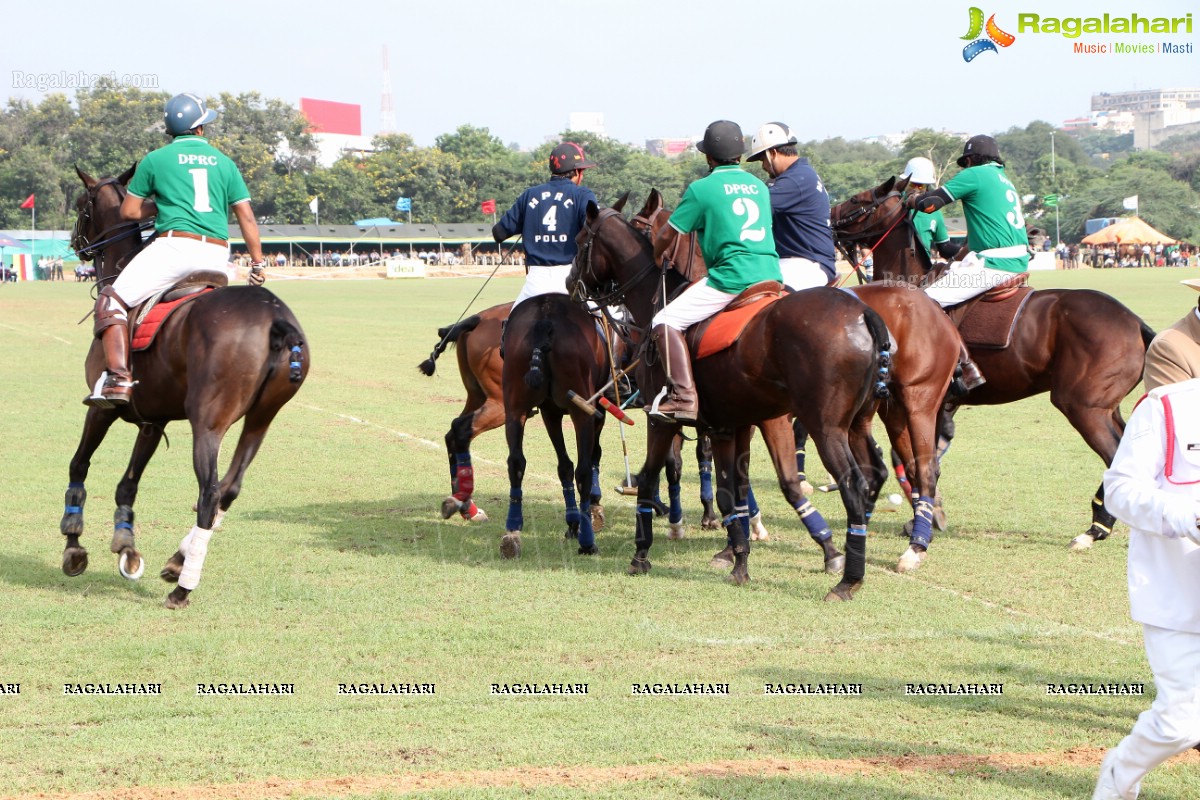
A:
x,y
231,353
552,347
768,372
923,361
1081,345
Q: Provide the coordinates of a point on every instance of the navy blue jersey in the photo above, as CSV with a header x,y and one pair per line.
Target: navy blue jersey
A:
x,y
548,217
800,209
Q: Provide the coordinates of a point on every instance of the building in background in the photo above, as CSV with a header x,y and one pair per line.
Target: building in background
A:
x,y
1158,114
586,121
336,128
669,147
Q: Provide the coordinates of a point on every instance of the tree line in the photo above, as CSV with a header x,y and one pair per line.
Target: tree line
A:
x,y
108,128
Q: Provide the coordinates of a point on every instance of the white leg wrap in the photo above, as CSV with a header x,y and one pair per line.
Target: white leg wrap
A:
x,y
193,561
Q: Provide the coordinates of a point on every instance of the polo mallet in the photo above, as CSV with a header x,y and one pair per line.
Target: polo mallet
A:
x,y
586,405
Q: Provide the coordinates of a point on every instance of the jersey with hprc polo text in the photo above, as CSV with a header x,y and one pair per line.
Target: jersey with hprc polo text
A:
x,y
193,184
730,210
549,217
993,211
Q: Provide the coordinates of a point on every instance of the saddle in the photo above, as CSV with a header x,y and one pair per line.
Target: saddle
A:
x,y
150,315
721,330
988,321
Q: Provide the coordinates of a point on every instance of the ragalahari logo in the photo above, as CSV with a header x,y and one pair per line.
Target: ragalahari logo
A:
x,y
995,36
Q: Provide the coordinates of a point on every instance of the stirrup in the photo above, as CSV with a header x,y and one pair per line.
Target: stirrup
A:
x,y
669,416
107,383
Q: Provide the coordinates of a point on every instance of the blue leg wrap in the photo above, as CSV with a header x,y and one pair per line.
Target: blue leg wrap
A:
x,y
572,508
857,530
587,536
922,531
515,520
596,494
818,528
676,512
751,503
706,489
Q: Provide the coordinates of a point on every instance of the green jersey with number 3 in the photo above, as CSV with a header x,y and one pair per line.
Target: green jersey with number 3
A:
x,y
731,211
993,211
193,184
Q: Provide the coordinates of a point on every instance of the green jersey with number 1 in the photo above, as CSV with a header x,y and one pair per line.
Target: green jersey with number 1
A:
x,y
993,211
193,184
731,211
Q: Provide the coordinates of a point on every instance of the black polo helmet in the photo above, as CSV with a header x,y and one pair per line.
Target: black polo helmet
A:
x,y
983,146
723,141
567,158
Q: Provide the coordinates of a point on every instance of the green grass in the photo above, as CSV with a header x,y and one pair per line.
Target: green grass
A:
x,y
334,566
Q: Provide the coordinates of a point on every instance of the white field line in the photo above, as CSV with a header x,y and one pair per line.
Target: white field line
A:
x,y
34,334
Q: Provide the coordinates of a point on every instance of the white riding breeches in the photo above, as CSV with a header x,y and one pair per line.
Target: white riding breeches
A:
x,y
163,263
966,279
802,273
700,301
544,280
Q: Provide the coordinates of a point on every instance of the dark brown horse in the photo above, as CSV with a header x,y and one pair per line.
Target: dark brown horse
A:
x,y
768,372
1081,345
553,347
231,353
922,365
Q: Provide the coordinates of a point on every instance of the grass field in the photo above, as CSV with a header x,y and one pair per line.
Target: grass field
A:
x,y
335,567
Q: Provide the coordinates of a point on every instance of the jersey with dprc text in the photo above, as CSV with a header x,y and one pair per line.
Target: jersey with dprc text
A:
x,y
548,217
193,184
993,211
731,211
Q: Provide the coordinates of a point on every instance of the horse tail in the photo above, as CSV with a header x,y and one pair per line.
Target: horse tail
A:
x,y
882,370
543,337
1147,333
286,336
447,336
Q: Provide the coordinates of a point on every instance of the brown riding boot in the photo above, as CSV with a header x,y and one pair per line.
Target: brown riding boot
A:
x,y
970,377
679,403
118,382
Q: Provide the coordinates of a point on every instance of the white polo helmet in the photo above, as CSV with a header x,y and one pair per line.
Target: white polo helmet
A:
x,y
920,170
772,134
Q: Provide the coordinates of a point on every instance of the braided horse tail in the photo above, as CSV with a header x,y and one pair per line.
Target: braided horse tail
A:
x,y
543,340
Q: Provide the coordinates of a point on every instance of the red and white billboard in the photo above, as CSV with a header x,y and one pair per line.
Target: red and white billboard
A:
x,y
326,116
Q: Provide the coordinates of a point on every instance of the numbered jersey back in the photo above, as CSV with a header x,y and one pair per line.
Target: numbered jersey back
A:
x,y
193,184
549,217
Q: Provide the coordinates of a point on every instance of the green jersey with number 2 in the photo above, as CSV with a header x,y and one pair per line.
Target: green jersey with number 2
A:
x,y
193,184
731,211
993,211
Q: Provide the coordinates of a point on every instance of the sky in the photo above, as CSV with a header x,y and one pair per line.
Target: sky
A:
x,y
654,69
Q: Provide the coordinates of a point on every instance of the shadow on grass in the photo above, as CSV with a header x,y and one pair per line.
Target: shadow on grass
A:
x,y
101,578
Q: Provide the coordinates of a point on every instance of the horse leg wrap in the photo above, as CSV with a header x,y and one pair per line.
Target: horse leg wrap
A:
x,y
922,531
573,514
72,521
587,534
596,492
818,528
706,485
122,529
675,515
516,520
194,548
464,478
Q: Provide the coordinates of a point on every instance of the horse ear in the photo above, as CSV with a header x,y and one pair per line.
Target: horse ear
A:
x,y
888,185
620,204
127,175
655,200
88,180
903,183
593,210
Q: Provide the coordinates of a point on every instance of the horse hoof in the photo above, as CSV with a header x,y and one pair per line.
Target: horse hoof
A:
x,y
758,531
723,559
74,561
170,571
178,599
911,560
739,577
843,592
510,545
939,516
676,531
1083,541
131,565
907,530
477,515
835,565
449,507
639,566
587,551
710,524
597,518
806,488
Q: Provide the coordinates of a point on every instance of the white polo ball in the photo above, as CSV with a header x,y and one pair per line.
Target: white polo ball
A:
x,y
895,499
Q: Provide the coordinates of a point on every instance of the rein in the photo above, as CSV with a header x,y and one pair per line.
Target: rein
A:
x,y
844,239
617,295
87,250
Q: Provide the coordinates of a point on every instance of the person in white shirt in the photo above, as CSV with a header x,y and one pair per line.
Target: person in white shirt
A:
x,y
1153,486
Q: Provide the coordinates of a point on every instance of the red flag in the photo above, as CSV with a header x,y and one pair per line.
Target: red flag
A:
x,y
488,206
28,202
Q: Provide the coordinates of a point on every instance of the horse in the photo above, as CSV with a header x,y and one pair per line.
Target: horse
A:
x,y
228,354
923,361
766,373
553,348
1054,348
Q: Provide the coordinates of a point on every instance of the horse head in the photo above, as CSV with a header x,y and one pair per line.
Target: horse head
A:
x,y
611,259
868,219
98,222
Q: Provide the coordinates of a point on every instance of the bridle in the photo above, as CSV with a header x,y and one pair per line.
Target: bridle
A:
x,y
583,266
671,259
88,250
845,238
